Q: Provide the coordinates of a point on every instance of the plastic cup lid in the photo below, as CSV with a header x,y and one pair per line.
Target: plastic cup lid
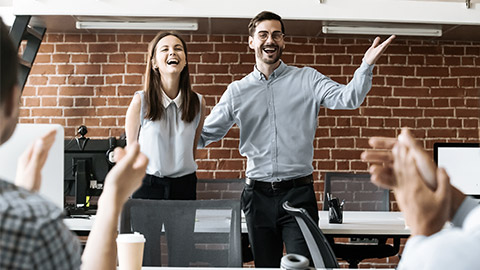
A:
x,y
131,237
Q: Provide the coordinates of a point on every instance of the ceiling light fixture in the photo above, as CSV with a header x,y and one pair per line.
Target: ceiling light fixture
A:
x,y
378,30
150,25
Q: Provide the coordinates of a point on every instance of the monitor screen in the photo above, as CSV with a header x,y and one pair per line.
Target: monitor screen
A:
x,y
52,172
86,166
462,163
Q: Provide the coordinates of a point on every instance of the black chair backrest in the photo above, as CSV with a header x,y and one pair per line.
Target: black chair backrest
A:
x,y
183,233
358,192
321,252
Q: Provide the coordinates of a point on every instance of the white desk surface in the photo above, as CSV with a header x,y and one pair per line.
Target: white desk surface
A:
x,y
365,223
354,223
79,224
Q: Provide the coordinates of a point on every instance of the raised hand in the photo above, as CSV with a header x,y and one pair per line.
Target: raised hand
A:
x,y
30,163
376,50
126,176
381,161
425,210
424,162
382,169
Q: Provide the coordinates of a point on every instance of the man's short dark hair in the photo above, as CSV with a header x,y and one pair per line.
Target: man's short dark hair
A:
x,y
8,64
264,16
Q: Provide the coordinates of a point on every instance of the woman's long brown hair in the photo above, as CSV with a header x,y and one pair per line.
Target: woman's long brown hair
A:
x,y
190,102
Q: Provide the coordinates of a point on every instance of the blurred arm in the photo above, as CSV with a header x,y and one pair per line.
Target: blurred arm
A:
x,y
124,178
198,132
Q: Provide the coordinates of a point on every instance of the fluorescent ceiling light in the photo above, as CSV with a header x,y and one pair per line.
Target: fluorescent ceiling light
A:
x,y
378,30
126,25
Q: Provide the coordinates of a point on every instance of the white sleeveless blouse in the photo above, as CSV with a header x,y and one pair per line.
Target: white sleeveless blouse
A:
x,y
168,142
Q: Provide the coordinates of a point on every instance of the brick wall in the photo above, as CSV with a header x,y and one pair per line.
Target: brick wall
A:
x,y
429,86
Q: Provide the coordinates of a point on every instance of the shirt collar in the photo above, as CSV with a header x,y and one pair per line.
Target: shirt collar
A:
x,y
259,75
166,101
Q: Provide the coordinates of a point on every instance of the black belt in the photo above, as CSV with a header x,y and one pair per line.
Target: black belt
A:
x,y
285,184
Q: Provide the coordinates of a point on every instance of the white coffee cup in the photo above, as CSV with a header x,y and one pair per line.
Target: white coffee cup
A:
x,y
130,251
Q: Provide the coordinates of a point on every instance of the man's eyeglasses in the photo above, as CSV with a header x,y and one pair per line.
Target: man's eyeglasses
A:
x,y
277,35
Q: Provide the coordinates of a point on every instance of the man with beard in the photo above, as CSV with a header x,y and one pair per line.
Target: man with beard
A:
x,y
276,108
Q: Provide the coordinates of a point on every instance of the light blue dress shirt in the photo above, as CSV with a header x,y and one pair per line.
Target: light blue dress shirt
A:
x,y
278,117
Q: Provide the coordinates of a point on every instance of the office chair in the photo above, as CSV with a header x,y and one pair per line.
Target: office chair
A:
x,y
321,252
359,195
184,233
208,189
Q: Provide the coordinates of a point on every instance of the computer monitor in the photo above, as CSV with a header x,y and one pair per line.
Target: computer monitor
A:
x,y
52,172
462,163
87,162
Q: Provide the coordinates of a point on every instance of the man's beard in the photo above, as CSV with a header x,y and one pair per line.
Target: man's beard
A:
x,y
268,60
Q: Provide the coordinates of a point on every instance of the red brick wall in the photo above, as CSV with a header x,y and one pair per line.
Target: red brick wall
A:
x,y
429,86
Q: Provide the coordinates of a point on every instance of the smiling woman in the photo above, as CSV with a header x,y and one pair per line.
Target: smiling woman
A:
x,y
166,118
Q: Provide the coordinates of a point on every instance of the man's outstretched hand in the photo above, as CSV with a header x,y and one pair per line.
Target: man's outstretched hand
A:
x,y
376,50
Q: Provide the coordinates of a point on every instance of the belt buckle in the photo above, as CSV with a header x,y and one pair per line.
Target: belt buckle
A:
x,y
275,185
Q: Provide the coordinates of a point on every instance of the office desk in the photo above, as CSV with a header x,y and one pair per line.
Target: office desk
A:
x,y
79,224
355,224
365,224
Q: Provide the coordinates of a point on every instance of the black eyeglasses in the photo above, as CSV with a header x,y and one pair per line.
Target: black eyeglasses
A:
x,y
277,35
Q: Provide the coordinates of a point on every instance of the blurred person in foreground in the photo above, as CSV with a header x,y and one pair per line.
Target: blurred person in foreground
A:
x,y
427,200
32,232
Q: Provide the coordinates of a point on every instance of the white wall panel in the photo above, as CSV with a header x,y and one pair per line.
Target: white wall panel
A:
x,y
408,11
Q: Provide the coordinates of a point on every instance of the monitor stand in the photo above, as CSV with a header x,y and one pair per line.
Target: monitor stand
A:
x,y
81,184
80,208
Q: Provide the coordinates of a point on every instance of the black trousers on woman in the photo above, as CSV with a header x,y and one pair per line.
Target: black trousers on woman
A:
x,y
167,188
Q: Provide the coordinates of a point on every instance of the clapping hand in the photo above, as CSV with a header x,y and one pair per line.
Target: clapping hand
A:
x,y
376,50
426,210
126,176
31,162
382,159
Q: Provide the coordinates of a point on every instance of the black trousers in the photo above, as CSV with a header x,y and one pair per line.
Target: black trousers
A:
x,y
270,226
168,188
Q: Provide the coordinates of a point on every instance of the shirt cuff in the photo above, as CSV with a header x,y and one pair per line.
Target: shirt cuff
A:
x,y
467,205
200,143
366,67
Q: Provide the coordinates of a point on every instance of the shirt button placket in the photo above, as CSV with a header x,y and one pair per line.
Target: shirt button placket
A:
x,y
274,129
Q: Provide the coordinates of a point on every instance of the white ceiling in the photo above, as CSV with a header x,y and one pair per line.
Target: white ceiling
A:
x,y
302,17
